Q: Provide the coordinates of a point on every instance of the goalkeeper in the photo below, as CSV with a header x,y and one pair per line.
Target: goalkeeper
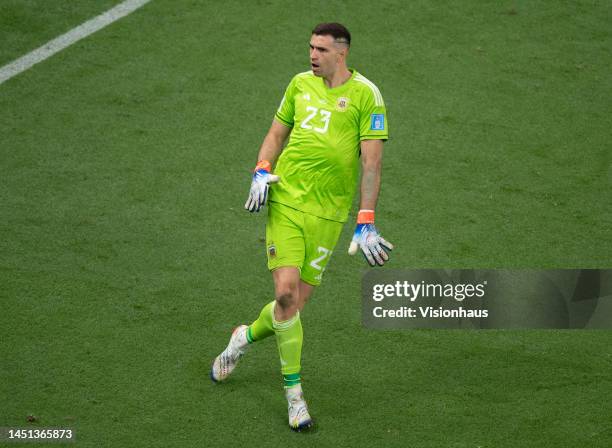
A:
x,y
335,118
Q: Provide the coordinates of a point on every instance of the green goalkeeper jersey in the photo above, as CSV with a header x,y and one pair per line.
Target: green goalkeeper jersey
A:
x,y
319,166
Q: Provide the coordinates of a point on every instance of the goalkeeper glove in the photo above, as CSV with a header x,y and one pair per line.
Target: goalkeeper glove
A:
x,y
259,186
366,237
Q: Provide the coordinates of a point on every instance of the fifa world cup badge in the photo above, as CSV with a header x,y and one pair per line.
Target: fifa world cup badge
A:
x,y
342,104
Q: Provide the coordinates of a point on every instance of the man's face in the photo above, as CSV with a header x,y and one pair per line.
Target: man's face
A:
x,y
325,54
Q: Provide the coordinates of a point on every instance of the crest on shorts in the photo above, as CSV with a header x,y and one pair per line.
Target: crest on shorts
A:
x,y
272,250
342,104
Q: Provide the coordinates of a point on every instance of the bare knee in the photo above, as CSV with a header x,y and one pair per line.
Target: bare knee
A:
x,y
286,283
287,300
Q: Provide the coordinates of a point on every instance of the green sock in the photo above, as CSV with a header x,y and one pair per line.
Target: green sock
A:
x,y
289,336
262,327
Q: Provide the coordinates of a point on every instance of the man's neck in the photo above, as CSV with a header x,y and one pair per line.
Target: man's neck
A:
x,y
340,77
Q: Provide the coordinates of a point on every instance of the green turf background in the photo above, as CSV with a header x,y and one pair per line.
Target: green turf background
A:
x,y
126,258
27,24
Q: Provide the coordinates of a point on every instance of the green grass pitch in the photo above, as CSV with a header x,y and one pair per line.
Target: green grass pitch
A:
x,y
126,257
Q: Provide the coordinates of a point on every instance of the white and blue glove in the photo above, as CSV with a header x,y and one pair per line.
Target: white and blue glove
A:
x,y
367,238
262,178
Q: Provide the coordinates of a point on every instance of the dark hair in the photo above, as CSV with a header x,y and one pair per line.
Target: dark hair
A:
x,y
336,30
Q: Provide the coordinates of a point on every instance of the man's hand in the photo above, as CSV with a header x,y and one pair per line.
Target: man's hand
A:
x,y
259,186
366,237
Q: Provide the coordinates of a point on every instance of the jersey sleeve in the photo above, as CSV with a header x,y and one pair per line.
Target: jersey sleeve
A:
x,y
373,116
286,110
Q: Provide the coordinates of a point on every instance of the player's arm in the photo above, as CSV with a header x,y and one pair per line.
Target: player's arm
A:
x,y
273,142
371,169
270,150
366,236
262,175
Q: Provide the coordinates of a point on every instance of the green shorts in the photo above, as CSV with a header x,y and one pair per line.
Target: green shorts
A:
x,y
295,238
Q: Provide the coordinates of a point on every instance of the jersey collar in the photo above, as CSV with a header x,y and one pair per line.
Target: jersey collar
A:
x,y
341,87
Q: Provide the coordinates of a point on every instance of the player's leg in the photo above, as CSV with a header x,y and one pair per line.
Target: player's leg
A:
x,y
287,290
290,295
285,250
294,288
287,324
305,292
285,261
289,336
320,237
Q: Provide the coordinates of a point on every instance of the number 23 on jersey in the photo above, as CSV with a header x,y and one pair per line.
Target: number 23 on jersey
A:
x,y
323,115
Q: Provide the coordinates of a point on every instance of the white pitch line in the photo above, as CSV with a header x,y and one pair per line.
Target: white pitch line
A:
x,y
67,39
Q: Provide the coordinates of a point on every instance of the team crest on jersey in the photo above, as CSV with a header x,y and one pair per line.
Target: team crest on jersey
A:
x,y
272,250
377,122
342,104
